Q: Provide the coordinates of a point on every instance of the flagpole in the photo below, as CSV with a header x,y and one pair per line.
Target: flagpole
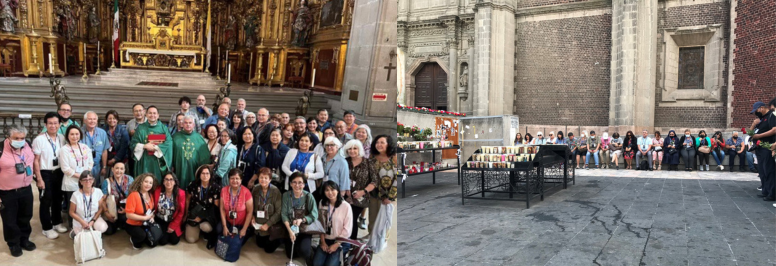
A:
x,y
209,35
115,36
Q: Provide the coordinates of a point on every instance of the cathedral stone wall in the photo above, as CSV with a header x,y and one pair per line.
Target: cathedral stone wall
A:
x,y
755,58
562,71
535,3
712,115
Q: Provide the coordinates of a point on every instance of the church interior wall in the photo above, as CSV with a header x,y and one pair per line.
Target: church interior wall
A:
x,y
693,113
562,71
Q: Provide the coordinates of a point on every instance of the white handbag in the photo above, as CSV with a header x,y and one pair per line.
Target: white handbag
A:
x,y
88,246
111,201
378,240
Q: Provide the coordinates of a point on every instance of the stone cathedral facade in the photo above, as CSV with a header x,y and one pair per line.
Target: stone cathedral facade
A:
x,y
615,63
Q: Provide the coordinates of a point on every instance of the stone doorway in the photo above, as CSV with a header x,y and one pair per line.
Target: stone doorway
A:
x,y
431,87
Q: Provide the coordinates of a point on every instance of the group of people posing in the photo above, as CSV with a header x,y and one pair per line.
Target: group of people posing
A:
x,y
606,151
206,174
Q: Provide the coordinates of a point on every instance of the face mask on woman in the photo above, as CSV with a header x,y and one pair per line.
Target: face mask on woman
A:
x,y
686,135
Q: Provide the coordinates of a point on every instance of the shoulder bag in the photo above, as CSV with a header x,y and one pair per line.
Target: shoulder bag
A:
x,y
360,253
87,246
111,201
153,230
704,148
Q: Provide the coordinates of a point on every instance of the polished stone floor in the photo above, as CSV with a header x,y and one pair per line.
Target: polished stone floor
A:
x,y
608,218
119,252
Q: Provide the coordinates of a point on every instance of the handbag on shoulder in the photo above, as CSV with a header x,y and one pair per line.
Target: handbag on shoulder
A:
x,y
111,201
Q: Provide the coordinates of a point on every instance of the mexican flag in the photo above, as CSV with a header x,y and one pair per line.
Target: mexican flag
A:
x,y
116,29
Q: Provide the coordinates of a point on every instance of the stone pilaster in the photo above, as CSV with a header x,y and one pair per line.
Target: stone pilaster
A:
x,y
633,68
495,49
451,40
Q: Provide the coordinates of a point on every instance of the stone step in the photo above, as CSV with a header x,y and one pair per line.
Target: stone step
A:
x,y
35,98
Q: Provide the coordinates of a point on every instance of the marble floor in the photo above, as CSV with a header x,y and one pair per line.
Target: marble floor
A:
x,y
119,252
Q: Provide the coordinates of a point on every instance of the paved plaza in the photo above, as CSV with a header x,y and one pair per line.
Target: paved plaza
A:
x,y
609,217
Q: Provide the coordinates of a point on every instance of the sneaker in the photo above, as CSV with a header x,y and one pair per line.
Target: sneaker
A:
x,y
760,188
362,222
60,228
51,234
774,205
72,234
722,168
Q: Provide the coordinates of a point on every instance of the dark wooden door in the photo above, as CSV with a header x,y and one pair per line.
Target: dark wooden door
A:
x,y
430,89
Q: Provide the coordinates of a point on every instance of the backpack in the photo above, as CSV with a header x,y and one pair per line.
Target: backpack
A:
x,y
643,166
360,254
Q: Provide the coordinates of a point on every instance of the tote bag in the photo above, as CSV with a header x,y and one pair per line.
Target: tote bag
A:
x,y
87,246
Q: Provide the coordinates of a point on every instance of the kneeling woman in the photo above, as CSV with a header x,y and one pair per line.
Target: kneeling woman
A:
x,y
203,197
266,210
171,203
298,209
140,209
337,220
236,202
118,187
86,206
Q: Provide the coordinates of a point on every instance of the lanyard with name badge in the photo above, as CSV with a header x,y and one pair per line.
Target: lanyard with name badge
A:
x,y
87,207
232,212
331,215
261,213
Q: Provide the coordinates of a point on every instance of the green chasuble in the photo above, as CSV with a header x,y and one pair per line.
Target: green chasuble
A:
x,y
190,152
146,163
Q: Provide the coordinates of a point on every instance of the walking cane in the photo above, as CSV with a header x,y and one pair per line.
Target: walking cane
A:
x,y
291,260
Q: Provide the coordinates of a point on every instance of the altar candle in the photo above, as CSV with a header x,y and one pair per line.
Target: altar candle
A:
x,y
312,85
51,65
98,47
229,73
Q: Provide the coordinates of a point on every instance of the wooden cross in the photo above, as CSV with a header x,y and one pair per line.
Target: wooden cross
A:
x,y
390,66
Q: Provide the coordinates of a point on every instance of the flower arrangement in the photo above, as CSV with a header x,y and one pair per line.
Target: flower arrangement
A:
x,y
426,110
399,128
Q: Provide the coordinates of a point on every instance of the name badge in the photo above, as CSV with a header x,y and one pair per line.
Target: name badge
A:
x,y
260,214
79,170
124,201
234,230
257,226
110,149
352,184
149,212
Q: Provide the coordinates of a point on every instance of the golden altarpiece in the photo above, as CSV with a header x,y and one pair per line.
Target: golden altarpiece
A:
x,y
263,42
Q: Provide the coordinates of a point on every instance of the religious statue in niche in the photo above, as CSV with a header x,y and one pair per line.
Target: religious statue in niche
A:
x,y
251,28
230,34
463,80
7,15
67,20
331,13
94,25
303,21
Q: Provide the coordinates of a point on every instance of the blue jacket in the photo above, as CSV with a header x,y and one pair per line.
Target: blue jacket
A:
x,y
119,141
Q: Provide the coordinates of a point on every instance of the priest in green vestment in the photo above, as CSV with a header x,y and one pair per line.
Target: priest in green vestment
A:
x,y
190,152
153,156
